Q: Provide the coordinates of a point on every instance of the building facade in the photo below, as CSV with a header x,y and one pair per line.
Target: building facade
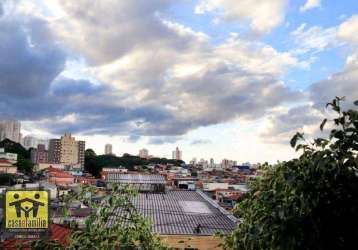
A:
x,y
108,149
81,153
39,154
144,153
177,154
54,151
10,129
67,151
29,142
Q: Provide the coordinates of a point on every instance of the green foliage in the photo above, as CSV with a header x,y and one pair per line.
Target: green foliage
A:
x,y
306,203
40,245
129,230
16,148
7,179
24,165
91,163
94,163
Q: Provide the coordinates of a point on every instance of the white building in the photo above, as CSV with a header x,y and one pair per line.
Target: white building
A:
x,y
10,129
8,156
211,186
177,154
144,153
108,149
30,141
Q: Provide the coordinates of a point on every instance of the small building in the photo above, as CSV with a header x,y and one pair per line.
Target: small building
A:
x,y
143,182
7,167
11,157
212,186
59,177
42,166
114,170
186,183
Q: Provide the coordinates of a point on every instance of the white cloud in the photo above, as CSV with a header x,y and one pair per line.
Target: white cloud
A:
x,y
262,15
348,31
310,4
314,39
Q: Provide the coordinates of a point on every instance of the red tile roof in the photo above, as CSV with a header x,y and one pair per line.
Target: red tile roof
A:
x,y
52,169
5,161
61,175
58,232
55,172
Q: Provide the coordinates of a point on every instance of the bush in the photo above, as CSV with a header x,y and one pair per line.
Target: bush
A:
x,y
306,203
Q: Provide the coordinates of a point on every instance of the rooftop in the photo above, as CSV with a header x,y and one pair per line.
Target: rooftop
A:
x,y
181,212
58,232
135,178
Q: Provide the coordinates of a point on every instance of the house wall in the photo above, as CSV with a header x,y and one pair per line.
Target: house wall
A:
x,y
192,242
8,169
61,180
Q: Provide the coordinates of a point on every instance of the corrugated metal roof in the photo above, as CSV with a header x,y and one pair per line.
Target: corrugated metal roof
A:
x,y
135,178
169,216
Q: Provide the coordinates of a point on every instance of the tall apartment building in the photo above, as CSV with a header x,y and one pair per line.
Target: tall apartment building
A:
x,y
39,154
225,163
30,141
10,129
177,154
81,153
108,149
144,153
67,151
54,151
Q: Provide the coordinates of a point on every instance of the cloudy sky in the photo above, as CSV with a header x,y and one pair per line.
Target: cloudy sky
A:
x,y
218,78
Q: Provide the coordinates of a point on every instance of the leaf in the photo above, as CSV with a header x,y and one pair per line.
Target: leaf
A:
x,y
295,138
322,124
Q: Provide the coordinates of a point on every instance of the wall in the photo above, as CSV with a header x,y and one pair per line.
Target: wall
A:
x,y
192,242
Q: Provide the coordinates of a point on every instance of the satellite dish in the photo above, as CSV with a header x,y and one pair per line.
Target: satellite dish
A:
x,y
356,103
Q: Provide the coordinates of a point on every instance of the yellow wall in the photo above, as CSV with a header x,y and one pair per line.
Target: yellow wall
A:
x,y
192,242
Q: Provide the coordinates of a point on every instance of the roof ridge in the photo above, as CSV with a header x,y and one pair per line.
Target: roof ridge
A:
x,y
213,203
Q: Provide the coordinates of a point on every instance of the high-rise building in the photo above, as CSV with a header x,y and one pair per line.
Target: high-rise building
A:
x,y
225,163
81,153
212,163
10,129
144,153
54,151
108,149
177,154
67,151
29,142
193,161
39,154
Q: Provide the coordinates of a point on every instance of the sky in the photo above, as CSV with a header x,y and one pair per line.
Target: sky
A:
x,y
232,79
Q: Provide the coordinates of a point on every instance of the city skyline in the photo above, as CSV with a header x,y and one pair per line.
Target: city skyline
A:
x,y
215,80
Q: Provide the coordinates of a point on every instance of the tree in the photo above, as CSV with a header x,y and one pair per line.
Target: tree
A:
x,y
7,179
129,229
306,203
24,165
16,148
91,163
